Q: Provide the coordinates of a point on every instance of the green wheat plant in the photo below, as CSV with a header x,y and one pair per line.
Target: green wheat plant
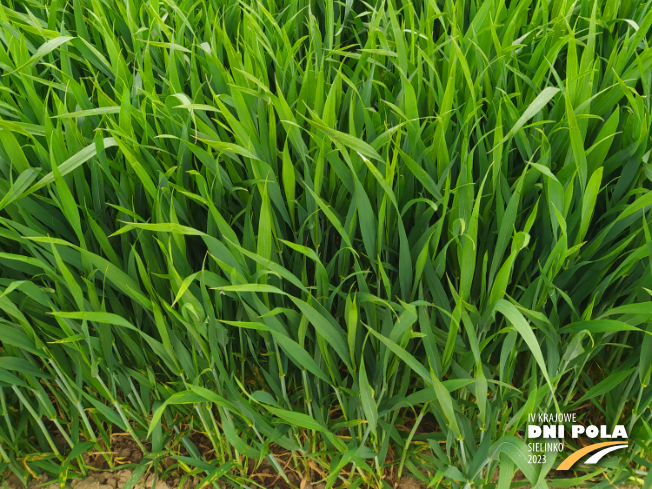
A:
x,y
352,241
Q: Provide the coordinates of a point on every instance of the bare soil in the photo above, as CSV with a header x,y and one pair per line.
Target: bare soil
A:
x,y
117,480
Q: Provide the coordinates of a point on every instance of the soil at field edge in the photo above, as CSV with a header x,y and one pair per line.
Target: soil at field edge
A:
x,y
117,480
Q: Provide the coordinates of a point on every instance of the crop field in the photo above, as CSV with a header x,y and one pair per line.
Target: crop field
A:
x,y
276,243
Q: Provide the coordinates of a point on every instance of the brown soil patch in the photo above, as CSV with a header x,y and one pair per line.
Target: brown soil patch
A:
x,y
117,479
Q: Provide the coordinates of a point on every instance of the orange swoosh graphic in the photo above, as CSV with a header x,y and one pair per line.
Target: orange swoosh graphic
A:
x,y
568,462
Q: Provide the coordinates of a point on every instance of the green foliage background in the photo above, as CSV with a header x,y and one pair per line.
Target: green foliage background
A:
x,y
374,235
